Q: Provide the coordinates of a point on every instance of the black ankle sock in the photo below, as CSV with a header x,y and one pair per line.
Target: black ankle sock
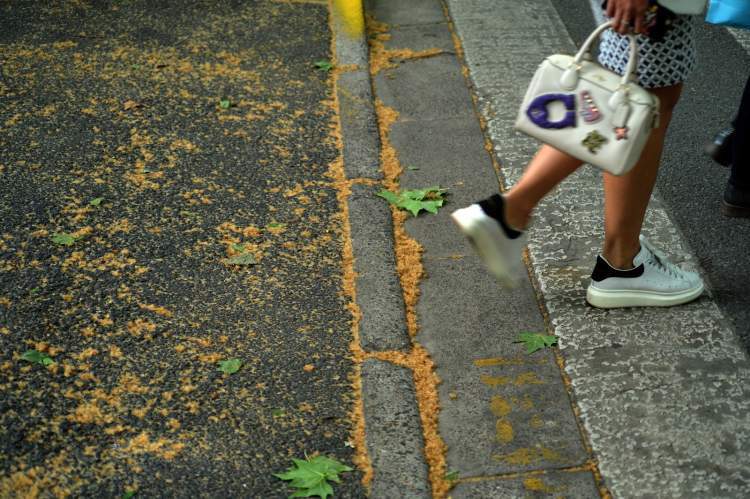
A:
x,y
494,207
603,270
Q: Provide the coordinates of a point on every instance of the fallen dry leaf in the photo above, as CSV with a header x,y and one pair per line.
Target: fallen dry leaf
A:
x,y
129,104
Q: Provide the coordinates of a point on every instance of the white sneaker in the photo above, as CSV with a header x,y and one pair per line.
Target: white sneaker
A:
x,y
654,282
498,245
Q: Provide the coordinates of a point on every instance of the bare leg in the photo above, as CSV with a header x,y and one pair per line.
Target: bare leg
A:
x,y
547,169
626,197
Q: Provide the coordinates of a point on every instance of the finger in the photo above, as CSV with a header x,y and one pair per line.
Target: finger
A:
x,y
616,20
610,9
626,21
624,25
640,24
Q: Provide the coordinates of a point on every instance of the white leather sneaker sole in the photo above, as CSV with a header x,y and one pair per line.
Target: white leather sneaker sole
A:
x,y
619,298
501,255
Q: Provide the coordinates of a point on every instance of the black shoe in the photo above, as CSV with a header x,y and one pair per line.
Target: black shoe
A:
x,y
720,149
736,202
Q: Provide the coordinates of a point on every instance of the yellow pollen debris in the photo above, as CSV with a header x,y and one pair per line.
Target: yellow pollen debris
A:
x,y
529,378
494,380
499,406
537,485
526,456
504,431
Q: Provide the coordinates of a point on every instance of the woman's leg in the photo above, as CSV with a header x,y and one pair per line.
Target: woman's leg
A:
x,y
626,197
490,223
547,169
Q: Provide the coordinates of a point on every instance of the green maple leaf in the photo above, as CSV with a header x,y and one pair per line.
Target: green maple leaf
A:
x,y
536,341
225,104
322,489
37,357
416,200
242,259
323,65
389,196
230,366
311,476
96,201
63,238
330,467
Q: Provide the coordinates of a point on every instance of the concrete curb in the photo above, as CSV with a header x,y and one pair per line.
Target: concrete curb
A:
x,y
359,126
394,437
379,296
662,392
393,433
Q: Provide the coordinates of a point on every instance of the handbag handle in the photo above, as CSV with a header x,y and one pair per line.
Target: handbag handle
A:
x,y
569,79
619,100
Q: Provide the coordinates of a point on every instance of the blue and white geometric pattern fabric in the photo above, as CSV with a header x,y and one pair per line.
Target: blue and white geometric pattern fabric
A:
x,y
660,64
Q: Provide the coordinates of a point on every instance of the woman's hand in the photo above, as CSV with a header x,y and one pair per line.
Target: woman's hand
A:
x,y
628,15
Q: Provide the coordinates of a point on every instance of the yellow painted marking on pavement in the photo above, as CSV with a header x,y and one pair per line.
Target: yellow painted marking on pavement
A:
x,y
504,431
511,361
537,485
498,361
529,378
350,12
494,380
499,406
526,456
536,422
525,404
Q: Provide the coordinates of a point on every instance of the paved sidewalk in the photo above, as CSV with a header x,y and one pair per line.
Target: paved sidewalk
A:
x,y
663,393
649,403
505,417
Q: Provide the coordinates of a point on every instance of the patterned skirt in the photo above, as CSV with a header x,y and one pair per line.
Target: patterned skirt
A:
x,y
660,64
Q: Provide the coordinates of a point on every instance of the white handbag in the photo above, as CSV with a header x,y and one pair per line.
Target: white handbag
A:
x,y
578,107
691,7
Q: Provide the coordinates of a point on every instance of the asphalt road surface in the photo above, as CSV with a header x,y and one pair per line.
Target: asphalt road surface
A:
x,y
143,146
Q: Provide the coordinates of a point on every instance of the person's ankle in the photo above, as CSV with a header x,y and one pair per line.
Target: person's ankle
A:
x,y
515,216
619,257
